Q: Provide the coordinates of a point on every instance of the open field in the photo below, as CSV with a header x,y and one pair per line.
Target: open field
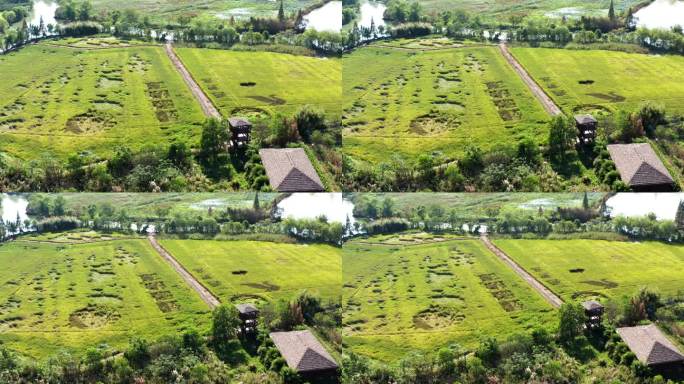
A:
x,y
582,269
149,205
74,296
254,84
502,9
413,101
595,81
238,271
483,205
63,101
424,295
224,9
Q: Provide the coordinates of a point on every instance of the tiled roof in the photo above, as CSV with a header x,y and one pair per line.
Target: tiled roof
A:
x,y
302,351
289,170
650,345
639,165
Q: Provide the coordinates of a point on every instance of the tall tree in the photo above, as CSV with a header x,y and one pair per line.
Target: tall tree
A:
x,y
256,200
281,12
561,137
679,218
611,11
585,202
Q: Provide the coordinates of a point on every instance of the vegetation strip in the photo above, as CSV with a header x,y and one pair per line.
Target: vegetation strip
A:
x,y
549,296
536,90
204,293
207,106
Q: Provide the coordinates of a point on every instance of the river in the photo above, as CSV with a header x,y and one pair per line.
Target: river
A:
x,y
313,205
661,14
43,9
663,205
371,11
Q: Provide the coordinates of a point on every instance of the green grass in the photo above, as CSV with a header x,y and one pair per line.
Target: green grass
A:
x,y
620,80
387,287
61,101
611,269
171,9
75,296
412,101
271,82
236,271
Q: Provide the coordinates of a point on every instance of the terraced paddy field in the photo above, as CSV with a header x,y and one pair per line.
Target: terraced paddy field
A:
x,y
255,84
74,295
426,294
584,269
238,271
415,100
603,81
60,101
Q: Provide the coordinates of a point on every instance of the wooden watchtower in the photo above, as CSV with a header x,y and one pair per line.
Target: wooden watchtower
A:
x,y
240,131
586,128
249,315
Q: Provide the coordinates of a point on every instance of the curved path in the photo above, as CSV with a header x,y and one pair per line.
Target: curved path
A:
x,y
536,90
546,293
211,300
207,106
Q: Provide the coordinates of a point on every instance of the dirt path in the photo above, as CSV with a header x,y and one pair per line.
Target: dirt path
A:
x,y
534,283
207,106
536,90
211,300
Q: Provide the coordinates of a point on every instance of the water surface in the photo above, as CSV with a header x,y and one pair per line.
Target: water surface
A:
x,y
661,14
326,18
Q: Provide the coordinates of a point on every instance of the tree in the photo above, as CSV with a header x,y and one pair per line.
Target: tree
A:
x,y
309,119
138,354
679,218
213,147
225,323
561,137
571,322
281,12
256,201
611,11
585,202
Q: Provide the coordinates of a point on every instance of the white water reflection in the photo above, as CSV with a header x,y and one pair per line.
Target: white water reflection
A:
x,y
371,12
13,207
326,18
314,205
663,205
663,14
45,9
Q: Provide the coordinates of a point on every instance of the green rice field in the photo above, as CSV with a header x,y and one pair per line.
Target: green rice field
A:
x,y
64,293
237,271
429,292
257,84
593,80
503,9
62,101
583,269
409,97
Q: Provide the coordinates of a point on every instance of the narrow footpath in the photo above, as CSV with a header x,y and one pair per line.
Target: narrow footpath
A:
x,y
536,90
211,300
546,293
208,107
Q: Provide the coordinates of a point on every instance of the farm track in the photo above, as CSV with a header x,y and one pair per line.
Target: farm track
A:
x,y
208,107
211,300
546,293
536,90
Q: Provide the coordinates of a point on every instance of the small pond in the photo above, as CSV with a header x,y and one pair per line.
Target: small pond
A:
x,y
371,11
326,18
11,206
663,14
45,9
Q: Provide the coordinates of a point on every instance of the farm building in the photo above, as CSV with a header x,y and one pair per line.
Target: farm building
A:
x,y
594,312
240,131
289,170
652,347
586,128
305,354
249,315
640,167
